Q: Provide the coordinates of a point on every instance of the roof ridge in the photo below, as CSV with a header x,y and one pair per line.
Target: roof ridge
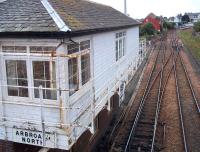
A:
x,y
55,16
90,1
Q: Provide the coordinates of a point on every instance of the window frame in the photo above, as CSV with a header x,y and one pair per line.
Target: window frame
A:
x,y
120,51
28,58
78,55
5,83
32,79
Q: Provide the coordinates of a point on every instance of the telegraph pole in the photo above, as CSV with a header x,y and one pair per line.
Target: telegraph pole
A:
x,y
125,8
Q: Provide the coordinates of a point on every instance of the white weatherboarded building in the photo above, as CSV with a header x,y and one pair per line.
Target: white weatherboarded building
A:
x,y
60,66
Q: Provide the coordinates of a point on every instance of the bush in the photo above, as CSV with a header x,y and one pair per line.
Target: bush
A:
x,y
167,25
197,27
147,29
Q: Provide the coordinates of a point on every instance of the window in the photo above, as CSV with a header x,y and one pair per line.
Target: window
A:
x,y
14,49
42,49
17,72
78,65
73,75
17,78
85,68
120,45
44,74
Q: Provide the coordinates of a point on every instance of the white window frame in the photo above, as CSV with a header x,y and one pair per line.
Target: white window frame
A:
x,y
29,58
5,88
78,56
119,50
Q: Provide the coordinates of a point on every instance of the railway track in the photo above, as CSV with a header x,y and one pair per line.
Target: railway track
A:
x,y
142,135
141,131
188,106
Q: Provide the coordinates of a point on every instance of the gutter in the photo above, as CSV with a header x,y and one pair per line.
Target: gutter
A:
x,y
61,34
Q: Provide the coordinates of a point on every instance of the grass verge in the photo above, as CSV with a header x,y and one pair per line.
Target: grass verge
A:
x,y
191,42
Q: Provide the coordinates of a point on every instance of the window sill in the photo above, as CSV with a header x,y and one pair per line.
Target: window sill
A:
x,y
30,102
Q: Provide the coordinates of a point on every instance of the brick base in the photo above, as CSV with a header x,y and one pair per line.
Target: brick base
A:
x,y
6,146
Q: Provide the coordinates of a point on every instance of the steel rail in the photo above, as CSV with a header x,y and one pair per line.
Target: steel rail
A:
x,y
190,84
141,102
146,92
125,111
180,109
158,106
158,101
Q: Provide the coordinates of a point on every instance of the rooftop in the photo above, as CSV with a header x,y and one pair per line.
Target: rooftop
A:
x,y
44,15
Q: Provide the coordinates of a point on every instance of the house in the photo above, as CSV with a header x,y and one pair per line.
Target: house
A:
x,y
194,17
176,20
64,68
152,18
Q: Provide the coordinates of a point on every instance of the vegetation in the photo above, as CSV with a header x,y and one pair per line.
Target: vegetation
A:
x,y
191,42
185,18
147,29
168,26
197,27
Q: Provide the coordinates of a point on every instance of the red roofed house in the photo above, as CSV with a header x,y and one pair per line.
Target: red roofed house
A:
x,y
152,18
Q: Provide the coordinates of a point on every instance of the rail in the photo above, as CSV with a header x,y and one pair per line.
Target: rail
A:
x,y
190,84
158,107
146,92
180,109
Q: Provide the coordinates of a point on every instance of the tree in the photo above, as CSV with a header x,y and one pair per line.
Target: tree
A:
x,y
197,27
147,29
185,18
168,25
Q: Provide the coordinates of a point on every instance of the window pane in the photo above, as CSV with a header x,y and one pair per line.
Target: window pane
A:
x,y
73,48
14,49
124,33
123,47
73,75
20,49
120,45
17,78
44,75
85,45
117,50
120,48
117,35
85,68
42,49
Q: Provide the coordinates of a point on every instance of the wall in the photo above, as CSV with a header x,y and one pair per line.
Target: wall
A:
x,y
75,115
108,73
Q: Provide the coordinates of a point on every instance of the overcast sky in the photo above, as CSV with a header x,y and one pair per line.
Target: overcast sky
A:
x,y
141,8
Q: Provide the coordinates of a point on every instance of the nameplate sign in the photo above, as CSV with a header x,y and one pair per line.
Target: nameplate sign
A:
x,y
34,138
